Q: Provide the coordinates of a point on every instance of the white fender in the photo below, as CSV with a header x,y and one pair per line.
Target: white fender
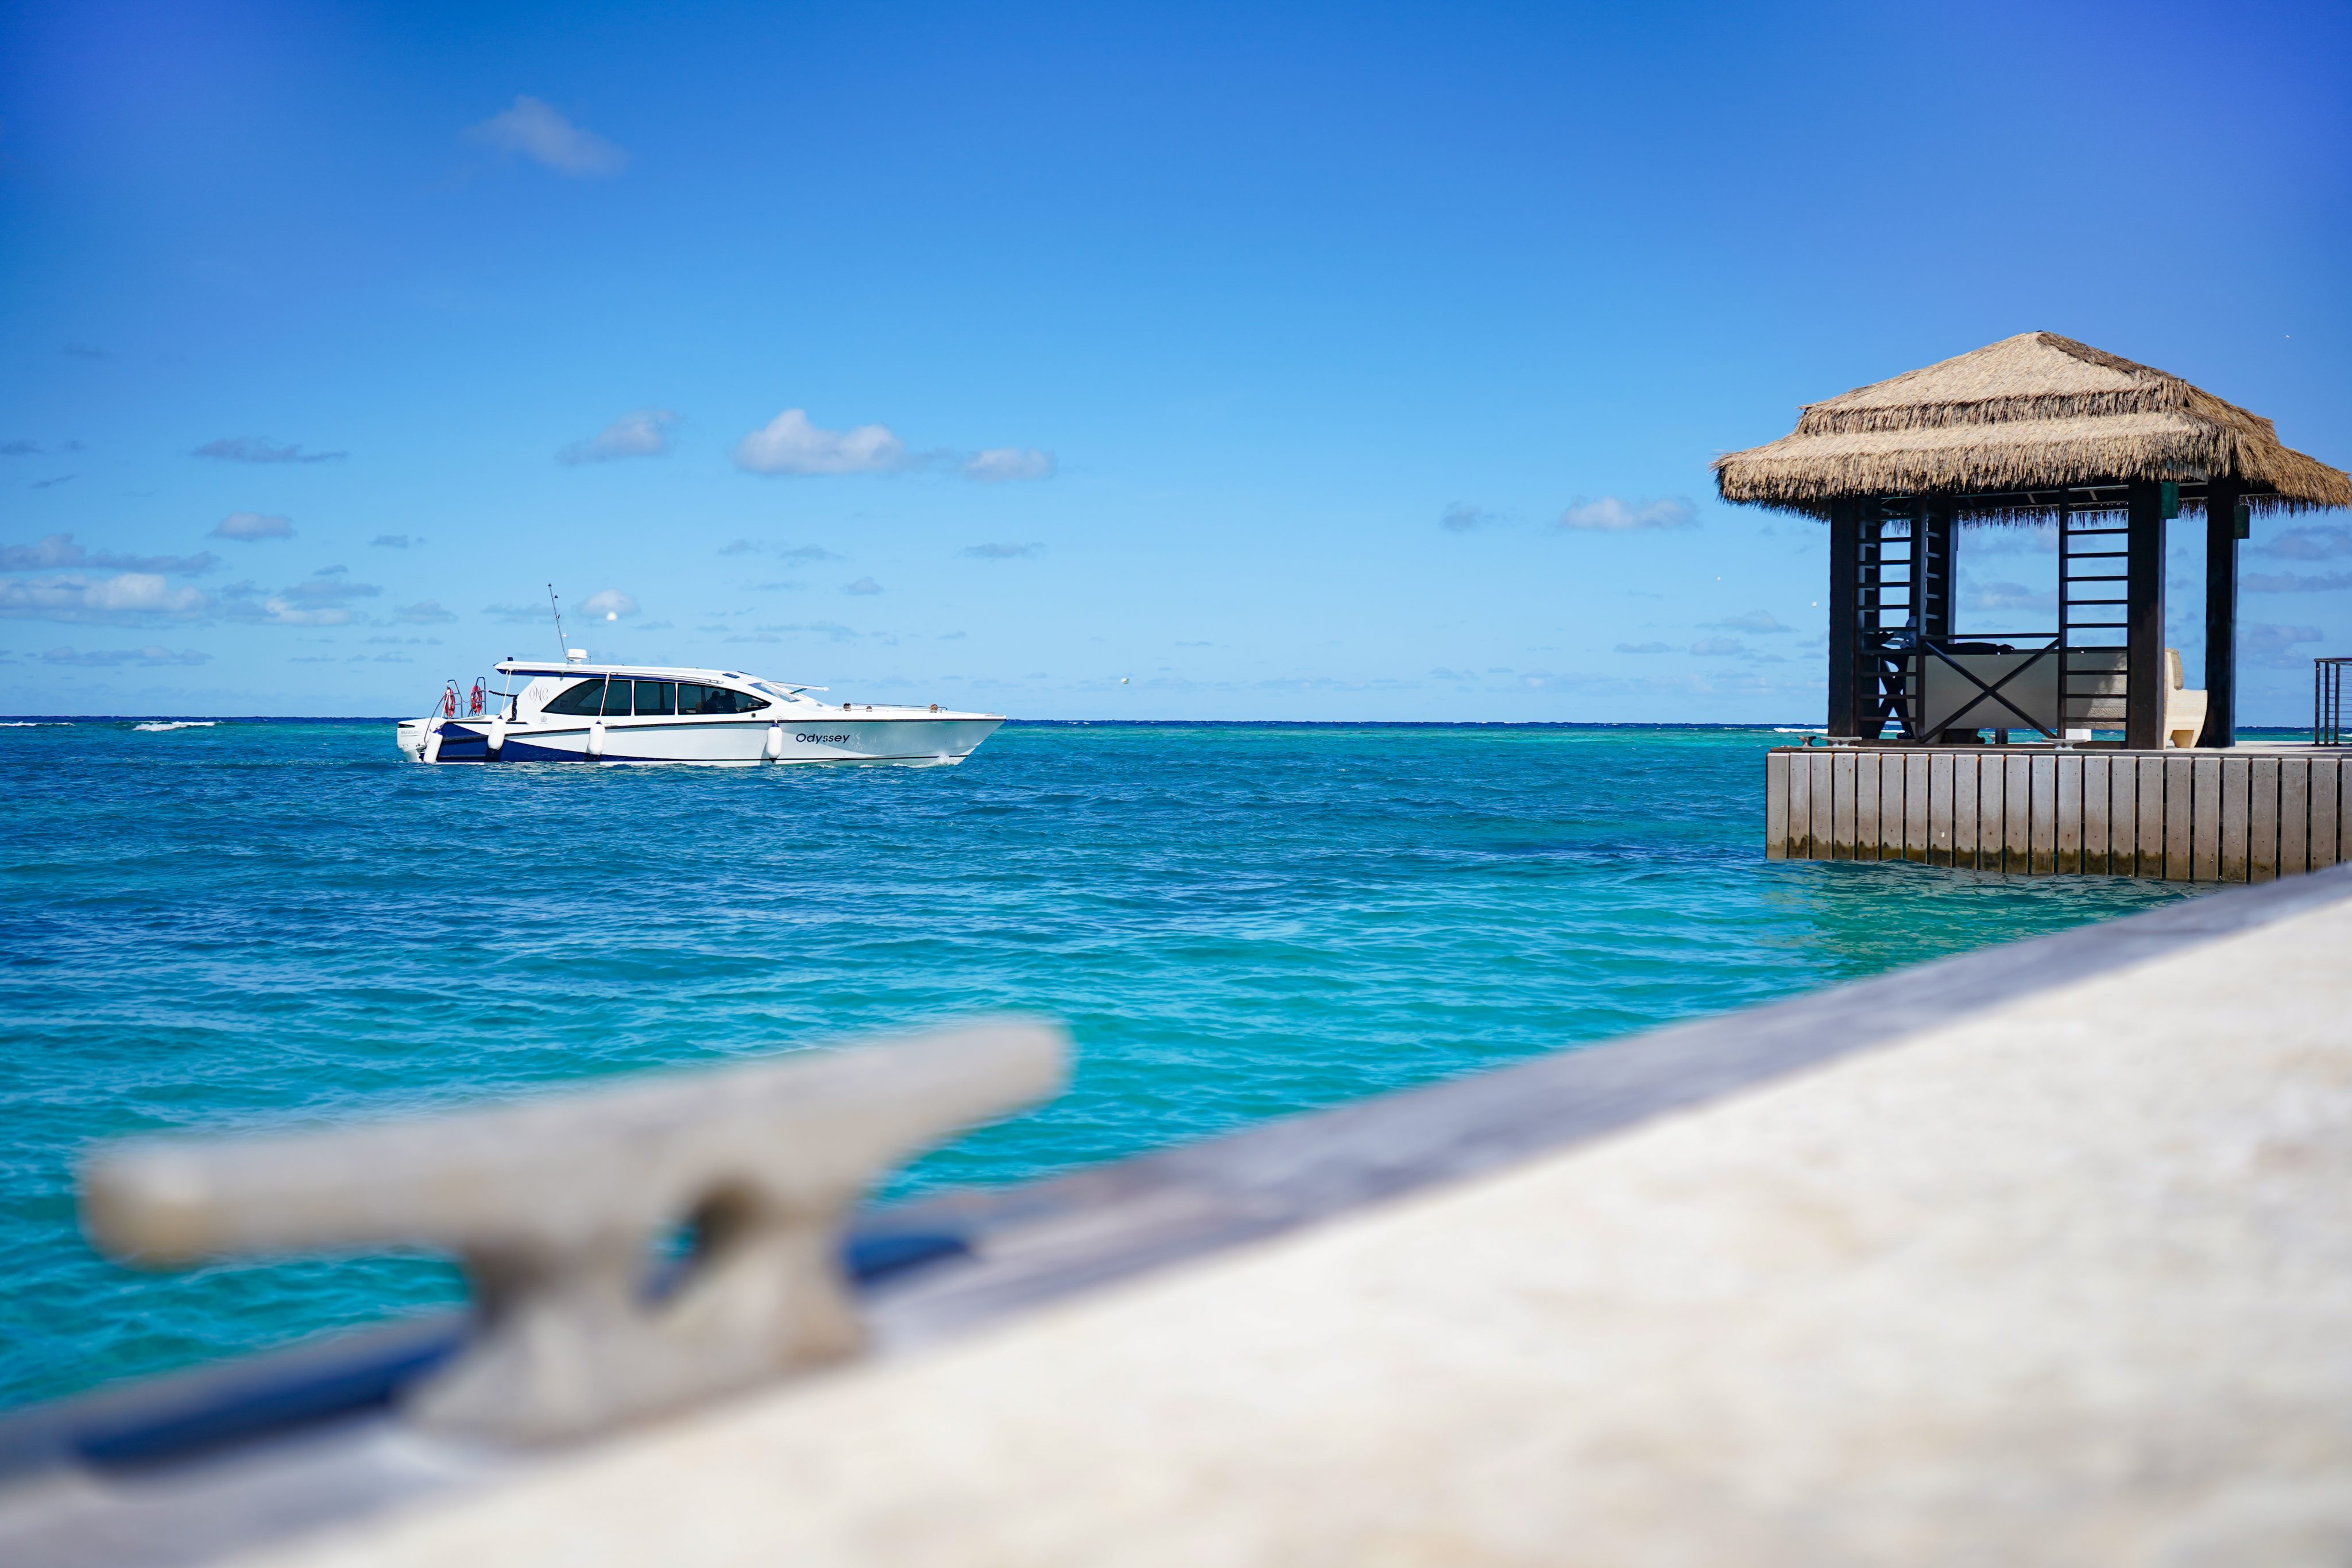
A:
x,y
432,741
597,741
496,739
775,742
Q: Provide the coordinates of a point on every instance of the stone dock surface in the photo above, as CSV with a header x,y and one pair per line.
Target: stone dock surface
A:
x,y
2067,1278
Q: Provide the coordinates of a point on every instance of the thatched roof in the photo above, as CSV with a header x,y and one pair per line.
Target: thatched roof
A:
x,y
2036,412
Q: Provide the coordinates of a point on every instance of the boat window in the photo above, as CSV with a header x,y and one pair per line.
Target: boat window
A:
x,y
616,699
656,697
700,699
587,698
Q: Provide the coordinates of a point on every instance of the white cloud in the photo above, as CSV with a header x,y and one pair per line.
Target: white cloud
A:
x,y
863,585
519,615
2274,646
1987,596
1761,621
2322,542
2294,582
642,433
1718,647
539,132
1609,515
1644,648
789,444
136,598
154,656
391,541
999,464
1002,552
57,551
251,526
424,613
609,605
257,449
1461,517
321,600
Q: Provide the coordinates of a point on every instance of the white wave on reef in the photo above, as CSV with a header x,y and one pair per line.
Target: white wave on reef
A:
x,y
1797,729
36,723
178,724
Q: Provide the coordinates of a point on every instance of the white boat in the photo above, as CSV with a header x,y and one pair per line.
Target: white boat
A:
x,y
579,712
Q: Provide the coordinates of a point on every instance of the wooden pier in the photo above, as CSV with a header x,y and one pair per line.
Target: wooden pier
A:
x,y
2248,814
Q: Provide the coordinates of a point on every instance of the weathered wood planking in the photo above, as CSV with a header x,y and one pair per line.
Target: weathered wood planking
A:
x,y
1776,805
2181,816
1964,811
2294,815
1991,825
1819,786
2180,795
1865,809
1890,806
2068,838
2043,794
2235,773
2327,822
2262,820
1841,805
2205,820
1917,768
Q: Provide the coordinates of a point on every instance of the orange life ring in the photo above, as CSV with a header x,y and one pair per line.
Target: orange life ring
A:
x,y
449,701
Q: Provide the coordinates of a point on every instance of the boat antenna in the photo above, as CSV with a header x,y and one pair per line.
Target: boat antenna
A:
x,y
562,646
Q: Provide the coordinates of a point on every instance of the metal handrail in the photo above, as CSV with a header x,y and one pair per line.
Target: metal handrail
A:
x,y
2327,700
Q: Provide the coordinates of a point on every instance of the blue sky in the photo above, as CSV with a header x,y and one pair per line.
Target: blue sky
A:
x,y
1287,362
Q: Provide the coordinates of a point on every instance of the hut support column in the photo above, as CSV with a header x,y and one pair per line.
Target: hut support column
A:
x,y
1845,615
2221,497
1932,569
2143,620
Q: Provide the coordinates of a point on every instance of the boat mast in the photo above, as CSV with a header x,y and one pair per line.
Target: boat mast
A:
x,y
563,647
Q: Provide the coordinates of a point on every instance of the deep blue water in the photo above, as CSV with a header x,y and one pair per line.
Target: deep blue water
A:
x,y
204,927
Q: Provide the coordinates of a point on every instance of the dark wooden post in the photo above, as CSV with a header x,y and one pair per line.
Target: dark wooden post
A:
x,y
1933,597
2143,620
1845,614
2221,498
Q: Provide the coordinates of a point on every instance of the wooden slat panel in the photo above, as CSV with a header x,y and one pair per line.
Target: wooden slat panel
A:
x,y
2326,811
2017,813
2205,820
2235,770
2179,784
2123,816
2294,815
2094,815
1776,805
1941,809
1817,770
1890,805
1865,807
2069,853
1989,779
1800,807
2262,820
2044,826
1965,776
2149,860
1915,806
1841,804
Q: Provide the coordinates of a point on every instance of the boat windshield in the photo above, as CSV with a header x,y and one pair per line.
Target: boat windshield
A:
x,y
789,694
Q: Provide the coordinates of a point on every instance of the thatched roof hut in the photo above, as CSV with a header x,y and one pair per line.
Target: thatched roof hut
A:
x,y
2032,412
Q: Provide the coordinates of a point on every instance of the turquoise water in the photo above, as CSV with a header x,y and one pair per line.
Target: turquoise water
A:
x,y
205,927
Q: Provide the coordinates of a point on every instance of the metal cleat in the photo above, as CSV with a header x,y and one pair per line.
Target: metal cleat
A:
x,y
558,1209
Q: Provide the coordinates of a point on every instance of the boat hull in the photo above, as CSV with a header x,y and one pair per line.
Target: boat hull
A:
x,y
748,742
